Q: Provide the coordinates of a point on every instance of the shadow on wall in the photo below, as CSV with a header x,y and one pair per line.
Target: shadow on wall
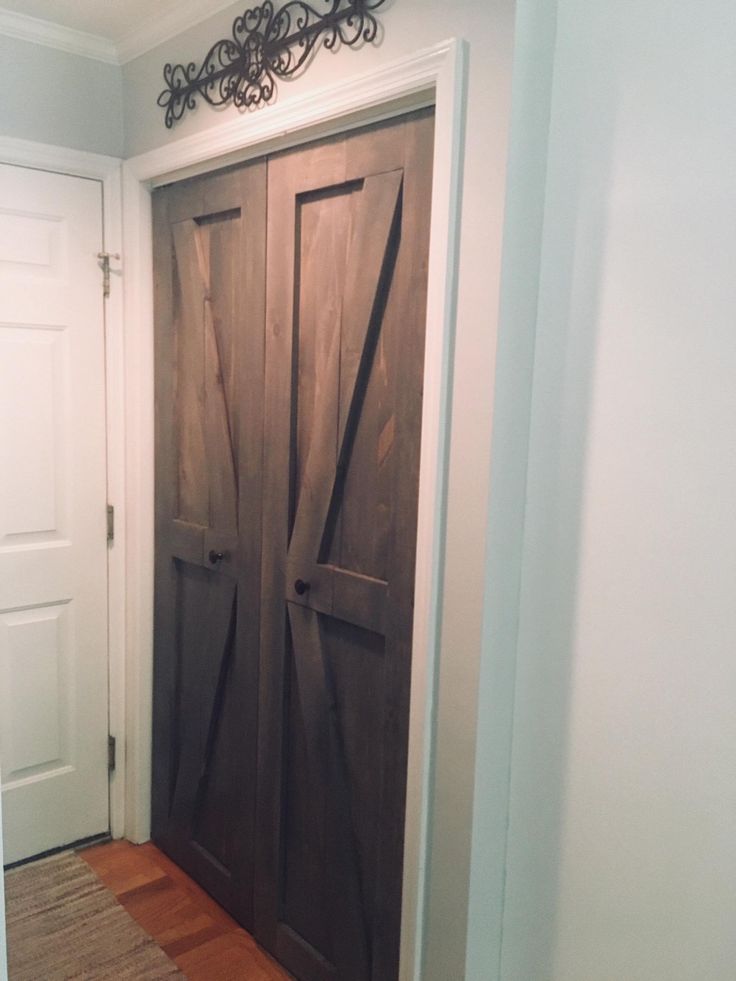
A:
x,y
573,259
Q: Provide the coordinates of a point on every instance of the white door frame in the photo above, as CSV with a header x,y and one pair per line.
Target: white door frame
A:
x,y
107,170
432,76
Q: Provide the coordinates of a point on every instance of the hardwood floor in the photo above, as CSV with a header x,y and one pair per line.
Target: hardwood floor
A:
x,y
196,933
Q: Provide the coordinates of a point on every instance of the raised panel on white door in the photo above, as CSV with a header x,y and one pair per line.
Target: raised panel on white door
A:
x,y
34,402
38,692
32,245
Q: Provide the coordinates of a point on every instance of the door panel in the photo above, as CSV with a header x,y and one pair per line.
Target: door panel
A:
x,y
53,542
346,286
290,307
209,238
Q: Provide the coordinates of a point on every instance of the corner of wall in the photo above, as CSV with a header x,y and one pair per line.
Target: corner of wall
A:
x,y
534,50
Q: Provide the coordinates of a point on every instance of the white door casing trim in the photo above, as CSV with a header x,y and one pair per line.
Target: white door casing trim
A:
x,y
107,170
432,76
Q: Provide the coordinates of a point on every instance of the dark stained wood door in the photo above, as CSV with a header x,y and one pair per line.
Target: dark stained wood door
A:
x,y
290,308
209,236
348,229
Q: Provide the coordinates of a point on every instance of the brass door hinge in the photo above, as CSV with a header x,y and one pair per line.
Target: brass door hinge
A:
x,y
104,258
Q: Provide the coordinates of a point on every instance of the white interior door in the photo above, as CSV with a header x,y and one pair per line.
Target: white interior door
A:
x,y
53,547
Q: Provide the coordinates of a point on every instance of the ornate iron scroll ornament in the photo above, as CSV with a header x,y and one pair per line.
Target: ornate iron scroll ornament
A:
x,y
265,44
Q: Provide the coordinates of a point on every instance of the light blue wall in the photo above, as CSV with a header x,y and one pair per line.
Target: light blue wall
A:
x,y
622,852
525,205
62,99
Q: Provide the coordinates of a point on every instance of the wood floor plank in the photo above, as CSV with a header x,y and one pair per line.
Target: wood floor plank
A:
x,y
202,939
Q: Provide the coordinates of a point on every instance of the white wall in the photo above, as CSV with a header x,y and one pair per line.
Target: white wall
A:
x,y
53,97
622,851
524,214
410,25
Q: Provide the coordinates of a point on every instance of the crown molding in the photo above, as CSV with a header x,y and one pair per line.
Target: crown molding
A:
x,y
37,31
186,14
162,27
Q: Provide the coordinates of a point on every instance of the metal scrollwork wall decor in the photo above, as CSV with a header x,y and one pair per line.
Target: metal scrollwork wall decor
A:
x,y
266,44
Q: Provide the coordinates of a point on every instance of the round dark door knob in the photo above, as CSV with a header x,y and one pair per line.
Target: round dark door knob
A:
x,y
215,557
300,587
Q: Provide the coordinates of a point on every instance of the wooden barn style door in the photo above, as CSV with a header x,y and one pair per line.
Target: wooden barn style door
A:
x,y
209,292
291,301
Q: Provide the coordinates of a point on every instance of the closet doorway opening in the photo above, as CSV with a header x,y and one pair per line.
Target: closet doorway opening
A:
x,y
290,312
431,77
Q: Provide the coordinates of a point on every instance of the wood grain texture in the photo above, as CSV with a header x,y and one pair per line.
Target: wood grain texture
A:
x,y
209,238
344,368
406,310
196,933
290,298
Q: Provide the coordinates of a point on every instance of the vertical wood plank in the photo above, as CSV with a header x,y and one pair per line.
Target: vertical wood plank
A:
x,y
209,330
363,618
328,773
366,287
277,471
406,309
193,484
360,515
208,663
287,177
166,505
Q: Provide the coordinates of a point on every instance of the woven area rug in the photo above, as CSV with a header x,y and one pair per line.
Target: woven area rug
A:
x,y
63,924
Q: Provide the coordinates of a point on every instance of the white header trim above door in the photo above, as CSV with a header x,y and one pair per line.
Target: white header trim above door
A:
x,y
363,98
59,159
432,76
